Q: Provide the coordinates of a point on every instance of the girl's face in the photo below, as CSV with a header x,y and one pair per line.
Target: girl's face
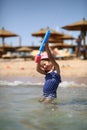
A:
x,y
46,65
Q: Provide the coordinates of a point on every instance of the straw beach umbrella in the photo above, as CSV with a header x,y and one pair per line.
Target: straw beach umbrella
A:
x,y
55,40
42,32
78,26
60,38
61,46
67,37
24,49
7,48
5,34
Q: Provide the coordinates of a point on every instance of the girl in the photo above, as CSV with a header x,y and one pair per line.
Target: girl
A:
x,y
49,67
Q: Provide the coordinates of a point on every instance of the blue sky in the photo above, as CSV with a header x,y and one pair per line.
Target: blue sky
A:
x,y
27,16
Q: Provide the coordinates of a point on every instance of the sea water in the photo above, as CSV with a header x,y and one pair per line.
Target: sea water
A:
x,y
20,109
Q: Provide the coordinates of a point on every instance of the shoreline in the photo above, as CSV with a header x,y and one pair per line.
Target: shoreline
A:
x,y
36,79
74,69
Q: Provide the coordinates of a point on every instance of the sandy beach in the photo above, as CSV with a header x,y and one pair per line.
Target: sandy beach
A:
x,y
74,68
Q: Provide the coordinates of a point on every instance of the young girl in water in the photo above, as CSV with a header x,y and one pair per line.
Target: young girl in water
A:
x,y
49,67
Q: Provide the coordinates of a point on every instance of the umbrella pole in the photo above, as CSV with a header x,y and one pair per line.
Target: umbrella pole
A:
x,y
83,33
20,41
84,42
3,41
3,44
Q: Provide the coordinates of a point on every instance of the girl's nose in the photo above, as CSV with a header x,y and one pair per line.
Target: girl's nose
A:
x,y
44,65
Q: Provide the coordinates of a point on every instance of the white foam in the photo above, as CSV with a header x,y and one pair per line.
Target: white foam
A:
x,y
16,83
63,84
66,84
3,82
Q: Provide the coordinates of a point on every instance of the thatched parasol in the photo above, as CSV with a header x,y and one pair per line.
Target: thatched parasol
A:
x,y
78,26
42,32
60,38
24,49
7,47
67,37
55,40
60,45
5,34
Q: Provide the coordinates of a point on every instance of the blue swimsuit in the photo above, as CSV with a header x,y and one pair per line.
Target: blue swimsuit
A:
x,y
52,81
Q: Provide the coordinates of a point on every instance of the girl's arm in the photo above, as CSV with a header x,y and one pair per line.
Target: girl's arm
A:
x,y
55,64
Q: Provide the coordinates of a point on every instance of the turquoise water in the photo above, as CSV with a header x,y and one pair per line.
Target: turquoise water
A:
x,y
20,109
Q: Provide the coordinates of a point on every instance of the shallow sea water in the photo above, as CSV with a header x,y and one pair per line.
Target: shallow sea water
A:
x,y
20,109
